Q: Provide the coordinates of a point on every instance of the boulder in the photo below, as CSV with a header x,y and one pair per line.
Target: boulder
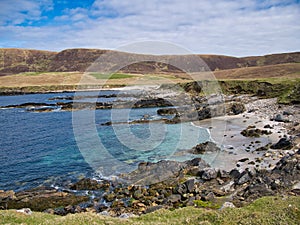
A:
x,y
205,147
283,143
209,174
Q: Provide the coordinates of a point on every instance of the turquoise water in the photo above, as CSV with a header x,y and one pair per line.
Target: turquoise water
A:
x,y
57,147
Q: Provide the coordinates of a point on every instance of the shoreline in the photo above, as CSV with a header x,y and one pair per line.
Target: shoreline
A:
x,y
194,180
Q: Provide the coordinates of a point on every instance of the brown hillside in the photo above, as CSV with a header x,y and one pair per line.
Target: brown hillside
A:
x,y
13,61
288,70
24,60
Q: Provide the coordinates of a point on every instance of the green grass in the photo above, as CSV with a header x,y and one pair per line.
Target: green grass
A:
x,y
111,76
264,211
30,73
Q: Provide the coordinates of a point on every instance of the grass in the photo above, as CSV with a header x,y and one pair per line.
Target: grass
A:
x,y
111,76
267,210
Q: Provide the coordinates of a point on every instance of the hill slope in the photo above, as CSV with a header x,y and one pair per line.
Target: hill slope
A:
x,y
13,61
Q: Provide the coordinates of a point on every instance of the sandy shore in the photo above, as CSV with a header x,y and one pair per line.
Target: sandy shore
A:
x,y
240,151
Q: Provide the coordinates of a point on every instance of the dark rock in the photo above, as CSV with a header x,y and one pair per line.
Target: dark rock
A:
x,y
166,111
283,143
174,198
268,126
180,189
86,184
205,147
40,199
209,197
237,108
280,118
190,185
235,173
153,208
138,194
109,197
249,132
60,211
243,178
243,159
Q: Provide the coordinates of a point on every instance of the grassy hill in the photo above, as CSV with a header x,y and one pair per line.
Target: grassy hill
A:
x,y
13,61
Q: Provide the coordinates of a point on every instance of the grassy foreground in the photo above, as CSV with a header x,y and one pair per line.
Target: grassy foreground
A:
x,y
267,210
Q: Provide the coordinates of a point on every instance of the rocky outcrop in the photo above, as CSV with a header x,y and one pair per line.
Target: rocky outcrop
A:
x,y
172,185
39,199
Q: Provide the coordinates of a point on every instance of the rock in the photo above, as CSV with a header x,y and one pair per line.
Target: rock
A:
x,y
283,143
104,213
280,118
209,174
205,147
180,189
234,173
209,197
40,199
126,215
60,211
109,197
138,194
250,132
190,185
174,198
237,108
25,211
166,111
228,187
153,208
86,184
243,159
268,126
227,205
244,178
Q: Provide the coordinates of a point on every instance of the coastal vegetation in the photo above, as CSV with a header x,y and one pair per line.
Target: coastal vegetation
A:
x,y
266,210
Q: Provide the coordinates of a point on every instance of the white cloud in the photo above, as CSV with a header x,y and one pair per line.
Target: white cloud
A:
x,y
231,27
26,10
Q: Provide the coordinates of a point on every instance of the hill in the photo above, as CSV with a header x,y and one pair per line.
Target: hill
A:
x,y
14,61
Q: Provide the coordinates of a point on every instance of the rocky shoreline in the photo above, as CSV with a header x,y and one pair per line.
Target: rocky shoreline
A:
x,y
258,139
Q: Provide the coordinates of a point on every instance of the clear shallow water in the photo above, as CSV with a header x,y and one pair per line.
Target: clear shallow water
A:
x,y
41,147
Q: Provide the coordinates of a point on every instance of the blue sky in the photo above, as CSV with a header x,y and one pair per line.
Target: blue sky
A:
x,y
229,27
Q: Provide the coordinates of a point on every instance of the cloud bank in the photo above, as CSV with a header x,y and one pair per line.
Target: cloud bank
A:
x,y
230,27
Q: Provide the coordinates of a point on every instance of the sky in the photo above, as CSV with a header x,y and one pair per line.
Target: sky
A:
x,y
227,27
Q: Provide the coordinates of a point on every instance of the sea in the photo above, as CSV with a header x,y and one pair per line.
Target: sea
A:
x,y
59,147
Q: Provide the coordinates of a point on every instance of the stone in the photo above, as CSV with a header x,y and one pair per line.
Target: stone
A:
x,y
205,147
86,184
237,108
138,194
227,205
209,174
126,215
174,198
283,143
26,211
244,178
153,208
280,118
109,197
228,187
180,189
190,185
